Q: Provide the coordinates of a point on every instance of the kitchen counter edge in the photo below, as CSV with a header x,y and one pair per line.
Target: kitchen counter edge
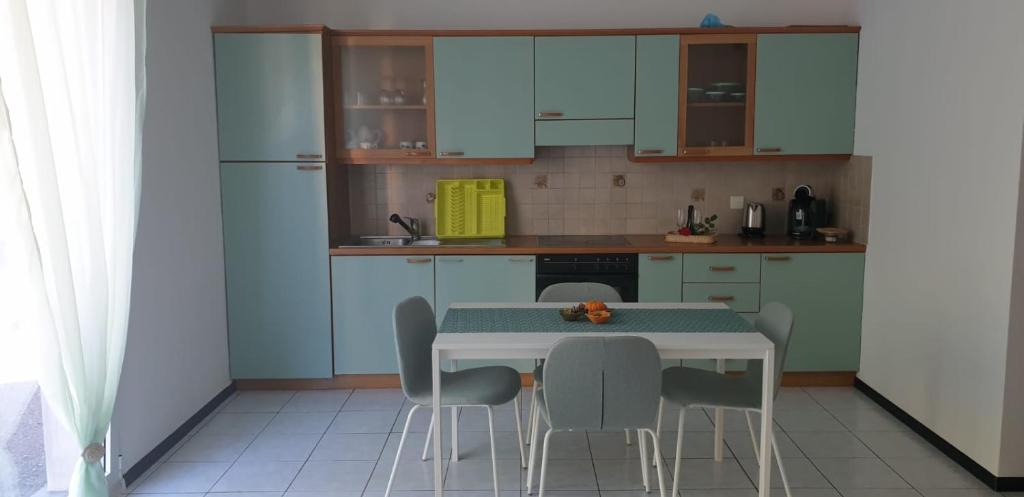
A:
x,y
638,244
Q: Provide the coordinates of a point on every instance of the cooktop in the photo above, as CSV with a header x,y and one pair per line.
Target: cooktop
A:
x,y
582,241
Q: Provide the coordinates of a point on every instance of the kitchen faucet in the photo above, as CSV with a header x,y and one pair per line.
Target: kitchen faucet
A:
x,y
413,225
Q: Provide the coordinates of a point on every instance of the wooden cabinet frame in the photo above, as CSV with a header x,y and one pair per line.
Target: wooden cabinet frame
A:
x,y
379,156
748,135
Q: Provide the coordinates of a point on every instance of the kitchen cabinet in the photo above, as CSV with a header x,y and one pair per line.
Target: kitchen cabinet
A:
x,y
270,96
660,278
740,297
485,278
365,293
276,270
807,90
584,81
717,73
825,292
484,96
721,268
656,125
384,97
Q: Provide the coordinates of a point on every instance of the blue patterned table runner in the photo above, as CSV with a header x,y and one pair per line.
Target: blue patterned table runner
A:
x,y
528,320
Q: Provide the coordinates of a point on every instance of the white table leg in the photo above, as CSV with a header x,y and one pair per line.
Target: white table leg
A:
x,y
767,396
719,420
455,423
436,405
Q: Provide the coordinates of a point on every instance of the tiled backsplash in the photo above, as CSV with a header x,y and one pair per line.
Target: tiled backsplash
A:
x,y
570,190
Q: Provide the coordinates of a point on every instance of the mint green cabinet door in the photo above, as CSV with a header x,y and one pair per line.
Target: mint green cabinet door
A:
x,y
826,293
660,278
270,96
276,270
585,77
657,95
483,96
365,290
485,278
806,93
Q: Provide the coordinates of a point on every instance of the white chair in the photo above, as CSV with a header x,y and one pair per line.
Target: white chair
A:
x,y
696,388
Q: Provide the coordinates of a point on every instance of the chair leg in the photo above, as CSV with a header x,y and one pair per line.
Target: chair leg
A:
x,y
533,450
544,460
519,431
426,443
641,440
679,453
657,423
455,434
753,436
494,454
628,441
657,462
398,455
782,469
529,412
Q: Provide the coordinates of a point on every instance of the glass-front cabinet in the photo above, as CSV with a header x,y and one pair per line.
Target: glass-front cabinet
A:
x,y
716,115
384,98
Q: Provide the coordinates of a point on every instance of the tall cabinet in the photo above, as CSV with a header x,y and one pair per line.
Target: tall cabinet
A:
x,y
270,122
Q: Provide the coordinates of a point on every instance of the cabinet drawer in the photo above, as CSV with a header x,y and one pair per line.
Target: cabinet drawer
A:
x,y
584,132
721,268
741,297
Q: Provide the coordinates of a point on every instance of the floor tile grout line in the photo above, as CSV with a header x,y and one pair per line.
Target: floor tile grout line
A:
x,y
264,429
317,444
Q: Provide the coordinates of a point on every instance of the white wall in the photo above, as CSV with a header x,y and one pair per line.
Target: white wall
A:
x,y
940,105
535,14
1011,456
177,357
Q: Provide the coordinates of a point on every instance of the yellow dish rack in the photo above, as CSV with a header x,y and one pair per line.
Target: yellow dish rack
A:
x,y
470,208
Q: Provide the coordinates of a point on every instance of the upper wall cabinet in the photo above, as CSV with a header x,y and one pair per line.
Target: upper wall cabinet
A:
x,y
484,96
717,73
584,89
384,104
807,88
657,95
270,96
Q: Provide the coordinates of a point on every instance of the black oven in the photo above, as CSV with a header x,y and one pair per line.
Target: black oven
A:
x,y
616,270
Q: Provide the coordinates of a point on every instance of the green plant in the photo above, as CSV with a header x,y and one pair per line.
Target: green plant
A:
x,y
706,227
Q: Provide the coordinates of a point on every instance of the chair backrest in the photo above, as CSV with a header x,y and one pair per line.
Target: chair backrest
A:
x,y
579,292
602,383
414,334
775,321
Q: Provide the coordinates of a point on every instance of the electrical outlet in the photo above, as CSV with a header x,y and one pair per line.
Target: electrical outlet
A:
x,y
736,202
778,193
697,195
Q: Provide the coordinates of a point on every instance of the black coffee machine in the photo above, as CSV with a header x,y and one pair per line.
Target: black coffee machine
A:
x,y
806,214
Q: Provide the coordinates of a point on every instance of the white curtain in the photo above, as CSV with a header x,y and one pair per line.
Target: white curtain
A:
x,y
72,92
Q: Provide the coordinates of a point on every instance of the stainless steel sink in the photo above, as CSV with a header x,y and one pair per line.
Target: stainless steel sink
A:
x,y
426,241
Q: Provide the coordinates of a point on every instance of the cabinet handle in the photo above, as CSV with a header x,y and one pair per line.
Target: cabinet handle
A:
x,y
520,259
418,153
722,269
769,149
696,151
309,156
777,258
448,259
649,151
451,154
660,257
418,261
549,114
308,168
721,298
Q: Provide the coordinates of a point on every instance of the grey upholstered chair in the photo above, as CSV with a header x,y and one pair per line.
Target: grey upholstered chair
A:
x,y
600,384
481,387
571,293
691,387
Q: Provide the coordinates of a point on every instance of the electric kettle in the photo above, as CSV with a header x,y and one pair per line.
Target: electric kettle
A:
x,y
753,220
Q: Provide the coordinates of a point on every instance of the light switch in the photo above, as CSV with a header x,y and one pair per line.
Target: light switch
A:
x,y
735,202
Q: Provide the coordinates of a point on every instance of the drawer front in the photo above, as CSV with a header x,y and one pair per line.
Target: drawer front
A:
x,y
660,278
584,132
741,297
721,268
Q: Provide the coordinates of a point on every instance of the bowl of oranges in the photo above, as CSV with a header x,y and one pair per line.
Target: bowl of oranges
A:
x,y
597,312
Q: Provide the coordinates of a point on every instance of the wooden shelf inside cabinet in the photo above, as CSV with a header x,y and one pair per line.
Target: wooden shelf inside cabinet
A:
x,y
716,104
385,107
368,161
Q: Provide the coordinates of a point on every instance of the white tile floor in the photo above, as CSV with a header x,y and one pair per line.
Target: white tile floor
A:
x,y
339,443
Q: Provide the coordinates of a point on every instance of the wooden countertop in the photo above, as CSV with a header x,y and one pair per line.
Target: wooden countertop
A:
x,y
727,244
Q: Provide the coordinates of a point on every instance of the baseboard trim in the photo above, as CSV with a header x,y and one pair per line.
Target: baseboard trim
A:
x,y
999,484
148,460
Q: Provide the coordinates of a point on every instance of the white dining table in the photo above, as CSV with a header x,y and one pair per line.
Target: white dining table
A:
x,y
671,346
